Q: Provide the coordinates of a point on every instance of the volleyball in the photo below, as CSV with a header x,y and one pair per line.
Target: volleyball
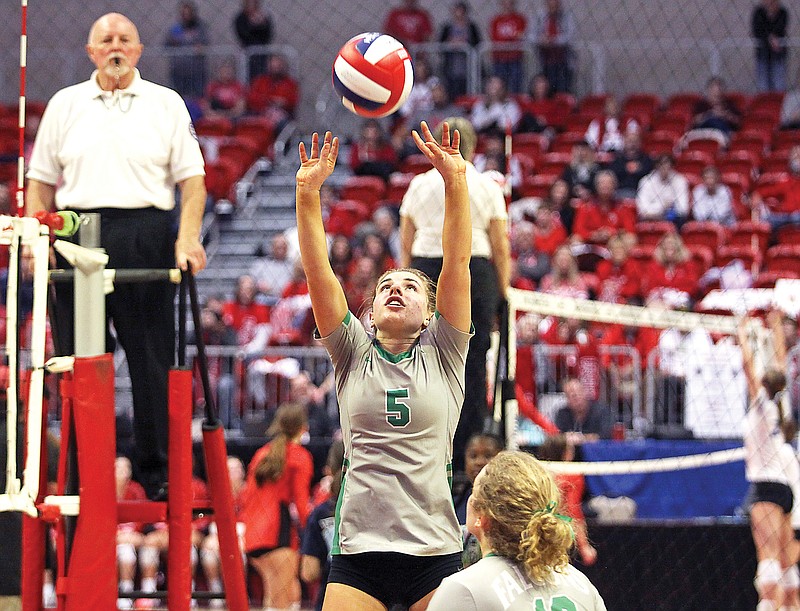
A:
x,y
373,74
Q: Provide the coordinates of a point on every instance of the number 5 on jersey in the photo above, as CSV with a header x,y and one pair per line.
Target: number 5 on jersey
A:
x,y
398,414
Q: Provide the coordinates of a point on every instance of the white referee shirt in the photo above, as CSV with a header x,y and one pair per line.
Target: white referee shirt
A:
x,y
423,204
125,149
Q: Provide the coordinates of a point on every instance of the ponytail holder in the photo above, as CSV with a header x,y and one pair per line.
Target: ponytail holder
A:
x,y
551,508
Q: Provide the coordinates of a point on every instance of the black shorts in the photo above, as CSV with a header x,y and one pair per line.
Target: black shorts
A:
x,y
771,492
391,577
284,535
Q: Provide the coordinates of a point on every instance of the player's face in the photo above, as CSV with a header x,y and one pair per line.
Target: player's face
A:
x,y
400,306
114,45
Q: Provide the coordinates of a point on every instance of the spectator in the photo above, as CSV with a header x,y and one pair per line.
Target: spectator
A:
x,y
715,111
443,108
559,199
618,276
553,34
220,368
278,484
496,111
372,154
672,273
274,94
315,559
313,398
253,26
712,200
589,419
572,487
603,215
663,194
607,133
129,534
582,170
790,109
493,159
531,263
225,96
375,247
460,33
507,30
768,28
246,316
189,36
386,226
209,550
358,287
548,231
420,100
564,278
539,108
273,271
341,257
779,203
481,448
630,164
409,23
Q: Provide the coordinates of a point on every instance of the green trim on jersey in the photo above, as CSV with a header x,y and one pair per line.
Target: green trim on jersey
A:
x,y
347,318
335,549
392,358
449,468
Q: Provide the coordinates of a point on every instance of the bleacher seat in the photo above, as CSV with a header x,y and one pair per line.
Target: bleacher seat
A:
x,y
553,164
398,185
577,123
759,122
767,279
739,99
748,233
563,143
537,185
788,234
735,165
642,254
641,101
345,215
783,258
674,123
649,233
415,164
366,189
260,129
213,126
783,140
707,234
750,259
766,102
221,175
532,145
775,162
659,143
683,103
592,104
239,149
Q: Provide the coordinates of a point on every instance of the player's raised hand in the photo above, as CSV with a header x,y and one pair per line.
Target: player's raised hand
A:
x,y
445,157
315,169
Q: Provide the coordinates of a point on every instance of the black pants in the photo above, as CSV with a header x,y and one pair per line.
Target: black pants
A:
x,y
485,301
143,315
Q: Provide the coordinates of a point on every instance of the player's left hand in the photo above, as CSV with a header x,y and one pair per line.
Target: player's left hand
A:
x,y
316,168
445,157
190,250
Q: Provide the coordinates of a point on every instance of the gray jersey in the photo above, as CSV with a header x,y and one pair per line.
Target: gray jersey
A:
x,y
498,584
398,415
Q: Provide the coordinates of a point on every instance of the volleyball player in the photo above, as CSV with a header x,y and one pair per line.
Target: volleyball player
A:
x,y
513,511
400,392
768,465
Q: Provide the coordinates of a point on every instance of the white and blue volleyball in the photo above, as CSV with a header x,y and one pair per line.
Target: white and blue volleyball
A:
x,y
373,74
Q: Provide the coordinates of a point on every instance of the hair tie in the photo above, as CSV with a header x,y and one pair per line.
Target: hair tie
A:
x,y
551,508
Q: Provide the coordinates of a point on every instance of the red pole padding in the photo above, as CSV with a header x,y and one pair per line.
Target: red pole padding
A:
x,y
179,503
219,485
91,581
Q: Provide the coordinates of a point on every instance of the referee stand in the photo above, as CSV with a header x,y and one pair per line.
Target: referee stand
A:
x,y
85,510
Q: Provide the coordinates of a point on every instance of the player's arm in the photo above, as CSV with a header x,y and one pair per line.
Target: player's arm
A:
x,y
188,247
747,359
39,196
310,568
327,297
453,289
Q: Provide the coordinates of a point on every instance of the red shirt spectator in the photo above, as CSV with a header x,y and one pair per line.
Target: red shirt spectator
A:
x,y
596,221
673,268
585,364
618,277
506,27
786,192
274,92
549,232
243,313
409,23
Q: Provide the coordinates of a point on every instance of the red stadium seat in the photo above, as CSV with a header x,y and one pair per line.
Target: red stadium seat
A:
x,y
345,215
636,102
642,254
674,123
683,103
783,258
592,104
259,129
783,140
213,126
366,189
759,123
767,279
766,102
240,150
398,185
532,145
745,254
753,144
788,234
221,175
706,234
749,233
649,233
659,143
776,162
537,185
735,165
415,164
739,99
711,146
702,256
563,143
577,123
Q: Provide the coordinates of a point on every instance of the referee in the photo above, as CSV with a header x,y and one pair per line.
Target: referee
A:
x,y
421,215
118,145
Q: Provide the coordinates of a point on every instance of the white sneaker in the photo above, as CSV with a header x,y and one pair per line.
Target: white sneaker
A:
x,y
216,603
124,603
